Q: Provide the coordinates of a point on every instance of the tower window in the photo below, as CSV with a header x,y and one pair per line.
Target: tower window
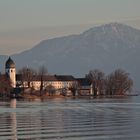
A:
x,y
11,70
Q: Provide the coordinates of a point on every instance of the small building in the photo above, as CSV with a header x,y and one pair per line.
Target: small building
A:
x,y
85,87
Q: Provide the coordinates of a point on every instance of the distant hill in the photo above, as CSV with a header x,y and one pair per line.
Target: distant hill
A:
x,y
106,47
2,63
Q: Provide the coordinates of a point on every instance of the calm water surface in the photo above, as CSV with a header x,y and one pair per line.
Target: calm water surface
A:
x,y
71,119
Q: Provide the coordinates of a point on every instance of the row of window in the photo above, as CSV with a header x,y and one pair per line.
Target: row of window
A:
x,y
55,84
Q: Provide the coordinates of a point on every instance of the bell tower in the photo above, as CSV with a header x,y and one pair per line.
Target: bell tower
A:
x,y
10,71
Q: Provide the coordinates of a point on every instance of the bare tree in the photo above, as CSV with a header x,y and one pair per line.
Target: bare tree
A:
x,y
109,84
74,88
118,83
96,77
42,73
27,76
5,86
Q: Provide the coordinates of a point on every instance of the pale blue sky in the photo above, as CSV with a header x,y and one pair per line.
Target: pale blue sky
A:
x,y
23,23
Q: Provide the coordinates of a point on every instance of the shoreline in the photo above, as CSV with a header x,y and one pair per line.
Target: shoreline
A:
x,y
45,97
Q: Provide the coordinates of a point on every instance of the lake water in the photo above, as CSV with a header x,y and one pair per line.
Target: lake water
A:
x,y
71,119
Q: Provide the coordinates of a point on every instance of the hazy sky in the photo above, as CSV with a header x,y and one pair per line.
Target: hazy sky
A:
x,y
24,23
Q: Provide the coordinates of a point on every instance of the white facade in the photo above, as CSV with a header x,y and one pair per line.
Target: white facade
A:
x,y
56,84
11,72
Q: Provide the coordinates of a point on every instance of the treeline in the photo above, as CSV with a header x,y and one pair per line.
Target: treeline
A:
x,y
28,75
116,83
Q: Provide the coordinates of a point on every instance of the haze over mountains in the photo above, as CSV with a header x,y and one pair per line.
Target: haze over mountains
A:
x,y
106,47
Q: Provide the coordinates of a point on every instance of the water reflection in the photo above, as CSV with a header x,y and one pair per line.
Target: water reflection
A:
x,y
13,120
71,119
13,103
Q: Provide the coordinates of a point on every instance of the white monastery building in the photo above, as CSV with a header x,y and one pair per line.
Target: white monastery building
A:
x,y
59,82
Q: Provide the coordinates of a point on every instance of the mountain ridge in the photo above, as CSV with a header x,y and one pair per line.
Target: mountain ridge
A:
x,y
104,47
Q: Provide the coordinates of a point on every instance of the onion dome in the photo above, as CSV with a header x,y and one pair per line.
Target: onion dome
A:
x,y
9,63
